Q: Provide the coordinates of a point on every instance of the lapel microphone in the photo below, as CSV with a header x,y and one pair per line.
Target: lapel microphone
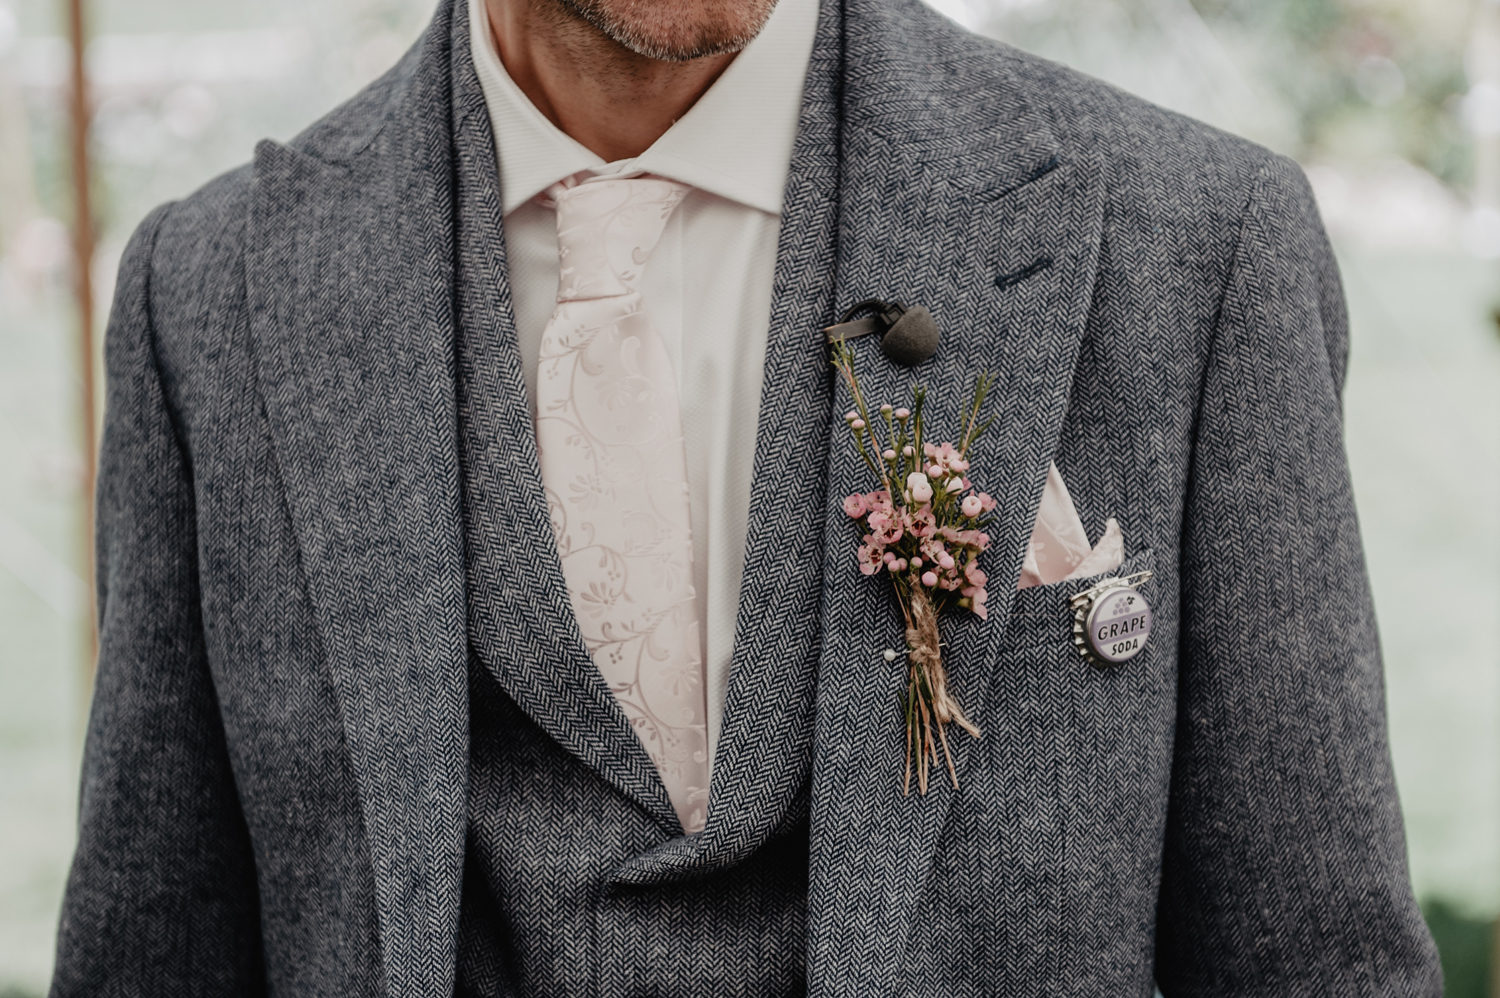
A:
x,y
908,334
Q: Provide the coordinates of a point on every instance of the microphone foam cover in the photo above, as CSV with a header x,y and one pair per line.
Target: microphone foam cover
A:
x,y
912,339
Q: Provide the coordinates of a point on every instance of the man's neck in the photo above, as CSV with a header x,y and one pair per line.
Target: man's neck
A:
x,y
613,101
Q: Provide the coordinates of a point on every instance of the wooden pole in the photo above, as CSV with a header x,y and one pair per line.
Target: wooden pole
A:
x,y
79,114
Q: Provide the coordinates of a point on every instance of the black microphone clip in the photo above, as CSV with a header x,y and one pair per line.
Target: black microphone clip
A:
x,y
908,334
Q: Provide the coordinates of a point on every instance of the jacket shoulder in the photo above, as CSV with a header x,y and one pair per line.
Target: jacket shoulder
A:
x,y
1187,167
200,239
1190,171
195,271
338,135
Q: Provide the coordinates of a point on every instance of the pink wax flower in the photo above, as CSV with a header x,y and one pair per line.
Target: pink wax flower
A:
x,y
978,540
971,506
946,457
870,557
986,503
856,505
885,526
919,487
929,578
975,575
920,523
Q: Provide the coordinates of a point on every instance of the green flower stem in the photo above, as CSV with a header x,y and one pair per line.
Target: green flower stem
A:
x,y
859,444
843,359
973,428
919,395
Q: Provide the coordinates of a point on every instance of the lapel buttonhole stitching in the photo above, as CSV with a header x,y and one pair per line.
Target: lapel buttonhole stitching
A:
x,y
1017,276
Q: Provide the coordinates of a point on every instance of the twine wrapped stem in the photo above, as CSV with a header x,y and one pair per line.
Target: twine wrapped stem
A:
x,y
930,708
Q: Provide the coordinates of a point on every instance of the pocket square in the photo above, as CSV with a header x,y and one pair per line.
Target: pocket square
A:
x,y
1059,547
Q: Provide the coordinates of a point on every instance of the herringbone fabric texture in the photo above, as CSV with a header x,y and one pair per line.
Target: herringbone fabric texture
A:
x,y
318,512
544,913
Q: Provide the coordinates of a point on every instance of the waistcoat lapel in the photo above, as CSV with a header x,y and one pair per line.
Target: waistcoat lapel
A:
x,y
348,278
762,760
957,196
521,620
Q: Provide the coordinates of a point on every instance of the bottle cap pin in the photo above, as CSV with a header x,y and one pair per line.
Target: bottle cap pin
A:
x,y
1112,620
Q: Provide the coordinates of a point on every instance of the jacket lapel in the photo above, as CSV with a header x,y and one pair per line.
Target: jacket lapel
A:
x,y
996,230
348,278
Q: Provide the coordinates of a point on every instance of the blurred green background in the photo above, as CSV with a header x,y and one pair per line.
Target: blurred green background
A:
x,y
1392,107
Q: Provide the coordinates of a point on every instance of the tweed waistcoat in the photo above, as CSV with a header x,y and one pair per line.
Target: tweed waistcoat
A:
x,y
541,914
549,903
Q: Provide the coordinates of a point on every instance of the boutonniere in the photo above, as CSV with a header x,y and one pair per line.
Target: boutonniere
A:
x,y
923,527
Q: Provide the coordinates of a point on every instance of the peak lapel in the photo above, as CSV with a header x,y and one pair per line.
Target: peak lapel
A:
x,y
348,277
989,222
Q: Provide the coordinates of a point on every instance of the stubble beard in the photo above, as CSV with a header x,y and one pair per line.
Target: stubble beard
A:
x,y
659,35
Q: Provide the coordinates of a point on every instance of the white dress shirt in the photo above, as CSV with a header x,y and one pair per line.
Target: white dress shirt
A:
x,y
707,285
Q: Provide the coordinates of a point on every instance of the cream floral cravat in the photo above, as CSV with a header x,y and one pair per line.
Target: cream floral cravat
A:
x,y
609,434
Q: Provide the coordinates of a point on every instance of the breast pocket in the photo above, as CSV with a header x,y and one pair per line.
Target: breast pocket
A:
x,y
1095,736
1042,615
1065,799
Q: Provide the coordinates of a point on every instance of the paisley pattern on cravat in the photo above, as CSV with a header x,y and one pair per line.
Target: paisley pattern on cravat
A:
x,y
609,435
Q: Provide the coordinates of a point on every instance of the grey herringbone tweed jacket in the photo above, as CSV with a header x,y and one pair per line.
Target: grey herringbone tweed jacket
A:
x,y
274,787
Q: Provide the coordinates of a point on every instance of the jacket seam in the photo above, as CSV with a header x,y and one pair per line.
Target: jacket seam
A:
x,y
148,307
1232,270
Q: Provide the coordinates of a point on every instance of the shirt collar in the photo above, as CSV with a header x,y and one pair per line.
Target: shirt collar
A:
x,y
735,142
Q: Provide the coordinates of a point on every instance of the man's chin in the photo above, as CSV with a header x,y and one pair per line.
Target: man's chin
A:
x,y
668,34
674,49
